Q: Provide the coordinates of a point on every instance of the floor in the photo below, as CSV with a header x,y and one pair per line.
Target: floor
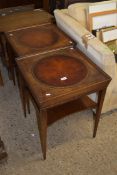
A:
x,y
71,148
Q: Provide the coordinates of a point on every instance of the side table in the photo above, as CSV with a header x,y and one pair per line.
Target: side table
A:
x,y
60,78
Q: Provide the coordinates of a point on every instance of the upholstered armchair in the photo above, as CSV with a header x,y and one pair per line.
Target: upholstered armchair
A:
x,y
73,22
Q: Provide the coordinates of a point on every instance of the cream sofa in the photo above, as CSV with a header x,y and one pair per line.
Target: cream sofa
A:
x,y
73,22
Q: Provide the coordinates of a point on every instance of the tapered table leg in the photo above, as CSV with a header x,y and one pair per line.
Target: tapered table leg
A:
x,y
3,153
23,93
42,124
28,100
101,96
1,80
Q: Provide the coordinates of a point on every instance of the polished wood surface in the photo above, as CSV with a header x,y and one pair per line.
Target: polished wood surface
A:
x,y
60,70
49,100
37,39
24,19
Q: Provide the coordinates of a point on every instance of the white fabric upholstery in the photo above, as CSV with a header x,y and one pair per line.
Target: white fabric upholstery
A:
x,y
78,12
98,52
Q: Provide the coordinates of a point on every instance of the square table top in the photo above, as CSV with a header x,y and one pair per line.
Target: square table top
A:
x,y
61,76
37,39
24,19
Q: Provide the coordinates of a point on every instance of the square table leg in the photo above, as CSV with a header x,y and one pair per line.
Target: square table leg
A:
x,y
23,93
101,95
6,55
3,153
1,80
42,125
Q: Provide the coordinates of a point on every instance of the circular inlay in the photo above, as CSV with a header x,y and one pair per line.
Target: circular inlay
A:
x,y
38,38
60,70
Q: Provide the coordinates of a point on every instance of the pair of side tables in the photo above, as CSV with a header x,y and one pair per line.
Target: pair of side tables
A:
x,y
57,77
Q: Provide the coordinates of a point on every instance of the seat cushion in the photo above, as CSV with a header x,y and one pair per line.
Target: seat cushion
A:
x,y
78,12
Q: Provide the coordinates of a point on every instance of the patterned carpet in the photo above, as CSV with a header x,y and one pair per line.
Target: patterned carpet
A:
x,y
71,149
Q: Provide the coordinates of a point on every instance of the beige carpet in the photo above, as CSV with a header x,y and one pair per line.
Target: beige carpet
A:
x,y
71,148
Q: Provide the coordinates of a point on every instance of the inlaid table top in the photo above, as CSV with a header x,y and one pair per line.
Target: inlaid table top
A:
x,y
24,19
61,76
37,39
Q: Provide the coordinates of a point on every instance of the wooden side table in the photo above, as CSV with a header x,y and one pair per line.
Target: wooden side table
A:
x,y
58,79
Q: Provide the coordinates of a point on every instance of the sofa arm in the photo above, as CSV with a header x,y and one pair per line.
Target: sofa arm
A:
x,y
69,25
98,52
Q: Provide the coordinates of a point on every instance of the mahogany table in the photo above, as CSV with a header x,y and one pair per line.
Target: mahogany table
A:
x,y
60,79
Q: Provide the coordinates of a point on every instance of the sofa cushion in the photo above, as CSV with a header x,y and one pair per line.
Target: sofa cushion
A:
x,y
78,12
98,52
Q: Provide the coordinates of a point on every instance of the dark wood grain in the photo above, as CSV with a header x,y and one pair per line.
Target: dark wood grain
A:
x,y
34,37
